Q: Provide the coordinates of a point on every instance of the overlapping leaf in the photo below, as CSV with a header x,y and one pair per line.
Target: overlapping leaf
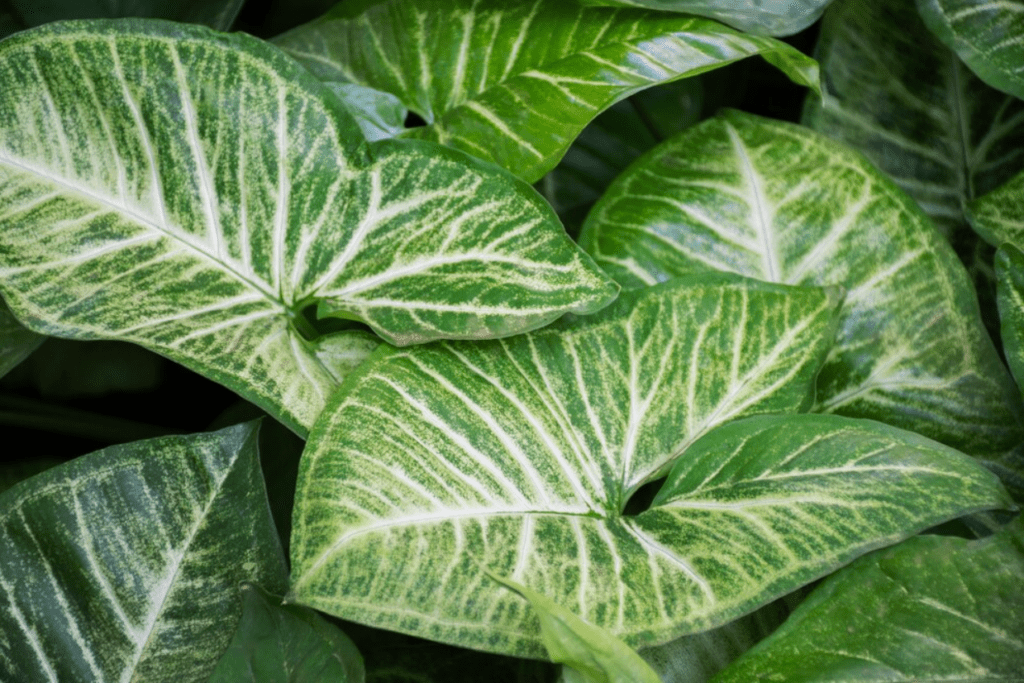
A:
x,y
16,342
515,82
999,215
895,93
778,202
771,18
193,192
933,608
124,565
986,34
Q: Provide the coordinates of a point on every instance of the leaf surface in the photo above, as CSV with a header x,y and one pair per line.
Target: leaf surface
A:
x,y
194,192
986,34
276,643
515,82
123,565
778,202
16,342
933,608
760,18
999,215
1010,277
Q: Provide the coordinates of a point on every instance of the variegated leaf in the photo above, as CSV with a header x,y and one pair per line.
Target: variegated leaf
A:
x,y
895,93
16,342
778,202
522,453
124,565
195,192
514,82
768,17
933,608
999,215
987,34
1010,271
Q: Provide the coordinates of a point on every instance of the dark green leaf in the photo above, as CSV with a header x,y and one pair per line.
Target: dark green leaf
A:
x,y
1010,270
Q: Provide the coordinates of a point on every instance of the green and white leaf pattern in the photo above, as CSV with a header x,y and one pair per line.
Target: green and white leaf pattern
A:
x,y
124,565
767,17
933,608
1010,279
999,215
514,82
895,93
16,342
519,455
778,202
986,34
193,192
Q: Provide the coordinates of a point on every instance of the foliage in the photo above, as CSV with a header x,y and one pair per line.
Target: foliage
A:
x,y
487,447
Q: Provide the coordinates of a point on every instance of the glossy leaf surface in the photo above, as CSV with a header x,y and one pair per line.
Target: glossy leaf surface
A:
x,y
770,17
515,82
781,203
123,565
275,643
16,342
895,93
193,192
933,608
999,215
986,34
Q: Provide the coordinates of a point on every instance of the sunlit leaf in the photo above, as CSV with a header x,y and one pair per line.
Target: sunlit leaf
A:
x,y
16,342
195,192
933,608
772,18
986,34
514,82
123,565
999,215
778,202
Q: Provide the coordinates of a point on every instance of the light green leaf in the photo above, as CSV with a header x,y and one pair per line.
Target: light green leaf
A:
x,y
380,115
986,34
514,82
1010,278
999,215
194,192
521,454
278,643
218,14
593,652
778,202
933,608
898,95
770,17
16,342
123,565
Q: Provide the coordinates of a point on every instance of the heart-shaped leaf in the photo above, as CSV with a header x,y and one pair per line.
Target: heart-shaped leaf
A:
x,y
194,192
16,342
123,565
897,94
778,202
999,215
986,35
933,608
515,81
771,18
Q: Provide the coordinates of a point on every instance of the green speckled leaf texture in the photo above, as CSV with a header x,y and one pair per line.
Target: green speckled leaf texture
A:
x,y
999,215
515,81
766,17
778,202
933,608
193,192
987,34
1010,274
895,93
16,342
124,565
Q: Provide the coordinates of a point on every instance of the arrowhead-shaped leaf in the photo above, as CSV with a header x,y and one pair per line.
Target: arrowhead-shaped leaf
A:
x,y
514,82
16,342
778,202
124,565
933,608
986,35
901,97
999,215
194,192
773,18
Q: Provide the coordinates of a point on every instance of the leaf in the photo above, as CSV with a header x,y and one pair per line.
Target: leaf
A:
x,y
895,93
515,82
194,192
778,202
521,454
380,115
16,342
596,654
124,564
1010,275
999,215
985,34
933,608
218,14
759,18
276,643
